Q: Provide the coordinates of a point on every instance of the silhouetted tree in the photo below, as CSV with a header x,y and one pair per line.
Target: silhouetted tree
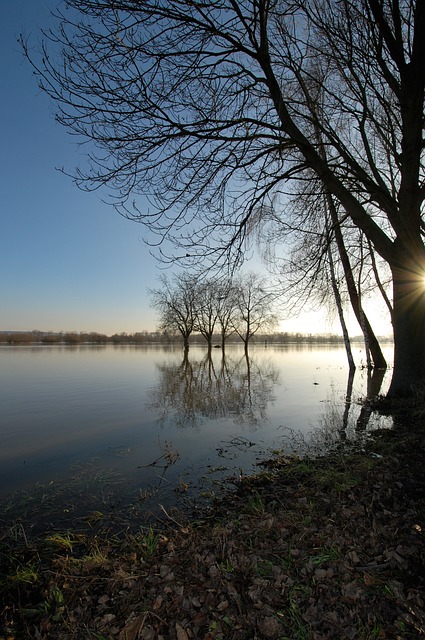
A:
x,y
176,305
208,108
207,309
253,307
226,305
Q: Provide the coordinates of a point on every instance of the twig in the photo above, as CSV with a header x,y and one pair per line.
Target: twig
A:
x,y
169,517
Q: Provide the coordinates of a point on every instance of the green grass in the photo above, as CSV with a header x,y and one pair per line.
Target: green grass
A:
x,y
264,568
324,555
292,617
24,575
255,504
63,540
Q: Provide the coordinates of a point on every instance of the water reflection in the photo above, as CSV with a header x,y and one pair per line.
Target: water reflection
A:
x,y
353,419
65,405
374,385
225,386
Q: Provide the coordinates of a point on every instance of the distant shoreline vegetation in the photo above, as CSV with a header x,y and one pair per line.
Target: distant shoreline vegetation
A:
x,y
162,337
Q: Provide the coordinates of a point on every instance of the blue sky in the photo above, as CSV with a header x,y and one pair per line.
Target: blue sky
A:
x,y
68,261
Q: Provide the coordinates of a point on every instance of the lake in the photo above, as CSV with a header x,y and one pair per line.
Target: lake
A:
x,y
126,428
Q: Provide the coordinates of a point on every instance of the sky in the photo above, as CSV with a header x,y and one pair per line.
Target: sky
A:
x,y
69,262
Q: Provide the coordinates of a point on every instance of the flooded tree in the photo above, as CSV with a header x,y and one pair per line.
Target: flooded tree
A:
x,y
226,305
326,263
175,302
207,309
208,109
253,307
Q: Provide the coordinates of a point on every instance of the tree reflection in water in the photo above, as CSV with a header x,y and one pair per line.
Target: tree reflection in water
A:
x,y
226,387
351,419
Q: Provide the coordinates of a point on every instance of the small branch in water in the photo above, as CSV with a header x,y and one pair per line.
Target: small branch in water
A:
x,y
168,455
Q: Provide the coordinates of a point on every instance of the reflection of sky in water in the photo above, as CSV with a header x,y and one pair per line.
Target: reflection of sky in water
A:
x,y
117,405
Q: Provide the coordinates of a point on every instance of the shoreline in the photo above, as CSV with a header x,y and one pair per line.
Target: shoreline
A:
x,y
316,548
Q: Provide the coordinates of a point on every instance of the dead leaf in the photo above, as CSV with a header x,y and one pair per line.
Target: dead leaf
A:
x,y
133,629
181,633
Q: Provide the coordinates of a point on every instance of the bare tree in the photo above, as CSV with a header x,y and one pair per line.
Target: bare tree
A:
x,y
334,229
226,304
354,292
340,309
254,307
313,228
207,309
175,302
207,109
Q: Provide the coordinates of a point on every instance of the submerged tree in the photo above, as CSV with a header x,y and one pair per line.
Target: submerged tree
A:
x,y
226,303
323,260
253,307
208,109
206,309
175,302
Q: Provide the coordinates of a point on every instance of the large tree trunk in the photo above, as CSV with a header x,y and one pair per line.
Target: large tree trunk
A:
x,y
223,341
185,342
408,325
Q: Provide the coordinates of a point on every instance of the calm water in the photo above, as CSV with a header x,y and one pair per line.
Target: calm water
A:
x,y
95,417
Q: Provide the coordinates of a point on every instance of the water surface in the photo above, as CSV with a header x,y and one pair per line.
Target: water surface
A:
x,y
110,412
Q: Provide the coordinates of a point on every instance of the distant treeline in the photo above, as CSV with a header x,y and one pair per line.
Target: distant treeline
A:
x,y
154,337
